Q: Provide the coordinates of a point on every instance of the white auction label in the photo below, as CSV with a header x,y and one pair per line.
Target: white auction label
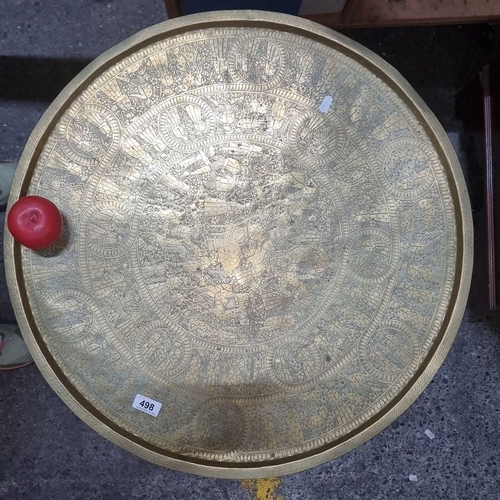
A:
x,y
149,406
325,104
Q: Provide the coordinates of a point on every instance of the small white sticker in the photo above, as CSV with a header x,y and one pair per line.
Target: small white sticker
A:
x,y
325,105
149,406
429,434
413,478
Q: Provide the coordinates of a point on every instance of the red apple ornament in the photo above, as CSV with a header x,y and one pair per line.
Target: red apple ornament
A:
x,y
35,222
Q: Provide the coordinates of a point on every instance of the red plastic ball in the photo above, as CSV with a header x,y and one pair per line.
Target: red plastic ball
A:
x,y
35,222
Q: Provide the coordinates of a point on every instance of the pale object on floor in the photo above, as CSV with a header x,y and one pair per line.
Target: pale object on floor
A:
x,y
13,350
7,171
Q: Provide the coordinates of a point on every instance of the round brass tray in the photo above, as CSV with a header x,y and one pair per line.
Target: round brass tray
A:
x,y
266,231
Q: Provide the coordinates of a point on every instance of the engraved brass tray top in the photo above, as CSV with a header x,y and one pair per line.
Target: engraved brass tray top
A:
x,y
266,231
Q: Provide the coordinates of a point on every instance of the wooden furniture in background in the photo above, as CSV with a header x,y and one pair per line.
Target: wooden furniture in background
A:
x,y
378,13
478,106
173,8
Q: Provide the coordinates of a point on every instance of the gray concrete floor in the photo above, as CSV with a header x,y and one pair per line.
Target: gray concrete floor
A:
x,y
46,452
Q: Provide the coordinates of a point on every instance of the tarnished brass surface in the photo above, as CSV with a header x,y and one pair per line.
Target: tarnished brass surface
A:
x,y
284,279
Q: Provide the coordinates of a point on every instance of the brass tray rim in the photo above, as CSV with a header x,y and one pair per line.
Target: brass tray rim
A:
x,y
84,410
